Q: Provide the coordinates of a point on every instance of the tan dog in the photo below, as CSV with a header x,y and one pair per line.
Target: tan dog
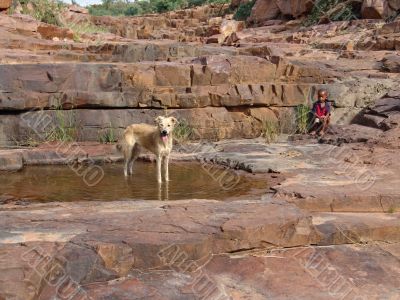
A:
x,y
156,139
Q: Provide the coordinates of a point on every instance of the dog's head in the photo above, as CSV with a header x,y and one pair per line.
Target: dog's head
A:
x,y
166,126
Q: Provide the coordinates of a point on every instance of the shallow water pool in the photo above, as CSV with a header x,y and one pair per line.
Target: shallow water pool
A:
x,y
107,183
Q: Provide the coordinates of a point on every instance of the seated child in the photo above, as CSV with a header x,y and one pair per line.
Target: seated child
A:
x,y
322,112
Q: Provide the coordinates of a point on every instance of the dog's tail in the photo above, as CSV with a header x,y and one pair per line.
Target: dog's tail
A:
x,y
120,144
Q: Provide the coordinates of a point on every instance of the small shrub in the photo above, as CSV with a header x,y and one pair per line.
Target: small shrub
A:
x,y
333,10
183,132
64,129
194,3
302,113
132,11
83,28
270,131
244,11
392,210
46,11
87,27
108,136
141,7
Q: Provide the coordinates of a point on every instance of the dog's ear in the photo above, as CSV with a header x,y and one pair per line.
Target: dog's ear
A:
x,y
174,120
158,120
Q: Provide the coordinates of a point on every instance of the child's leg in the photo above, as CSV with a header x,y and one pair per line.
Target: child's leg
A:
x,y
315,126
325,124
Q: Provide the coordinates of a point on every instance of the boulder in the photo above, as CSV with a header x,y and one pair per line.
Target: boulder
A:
x,y
10,160
263,114
389,28
78,9
228,27
264,10
49,32
374,9
394,4
391,63
5,4
237,3
294,8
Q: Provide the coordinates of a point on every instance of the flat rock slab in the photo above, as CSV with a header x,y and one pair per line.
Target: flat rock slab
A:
x,y
98,242
321,177
256,156
353,228
11,160
334,272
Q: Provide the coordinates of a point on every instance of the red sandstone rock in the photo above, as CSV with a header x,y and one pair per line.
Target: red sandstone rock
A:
x,y
264,10
49,32
4,4
391,63
78,9
374,9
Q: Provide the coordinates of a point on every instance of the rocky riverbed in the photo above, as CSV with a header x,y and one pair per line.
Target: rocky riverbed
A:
x,y
329,228
326,225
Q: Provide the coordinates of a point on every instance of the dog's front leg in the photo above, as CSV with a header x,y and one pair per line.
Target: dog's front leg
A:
x,y
159,158
166,171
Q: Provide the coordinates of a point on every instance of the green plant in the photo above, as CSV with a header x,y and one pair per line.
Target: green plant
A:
x,y
270,131
391,210
83,28
302,113
194,3
46,11
333,10
108,136
64,128
183,132
244,11
141,7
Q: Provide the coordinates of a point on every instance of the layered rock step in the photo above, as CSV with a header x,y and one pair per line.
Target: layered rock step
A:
x,y
353,228
223,82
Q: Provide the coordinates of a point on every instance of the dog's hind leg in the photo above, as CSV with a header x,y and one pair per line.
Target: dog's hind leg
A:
x,y
135,155
127,159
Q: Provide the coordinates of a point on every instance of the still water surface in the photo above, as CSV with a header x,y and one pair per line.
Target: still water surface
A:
x,y
187,181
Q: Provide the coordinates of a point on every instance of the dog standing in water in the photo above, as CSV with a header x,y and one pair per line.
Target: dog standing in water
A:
x,y
157,139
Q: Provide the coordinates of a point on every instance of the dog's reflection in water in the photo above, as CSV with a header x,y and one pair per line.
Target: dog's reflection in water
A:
x,y
163,191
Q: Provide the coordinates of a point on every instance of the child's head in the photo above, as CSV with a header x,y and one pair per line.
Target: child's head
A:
x,y
322,95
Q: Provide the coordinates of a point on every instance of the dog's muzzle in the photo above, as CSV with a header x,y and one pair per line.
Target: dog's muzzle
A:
x,y
164,136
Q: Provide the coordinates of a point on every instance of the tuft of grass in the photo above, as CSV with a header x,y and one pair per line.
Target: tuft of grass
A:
x,y
108,136
302,123
64,129
270,131
243,11
83,28
391,210
47,11
183,132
